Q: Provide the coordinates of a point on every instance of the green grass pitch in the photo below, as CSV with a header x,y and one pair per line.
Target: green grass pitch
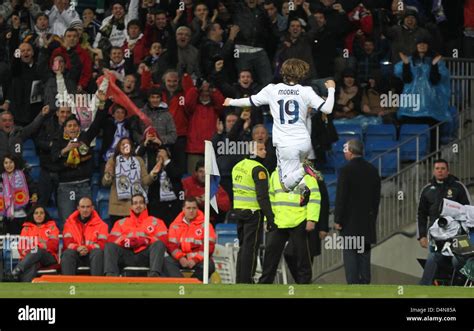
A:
x,y
43,290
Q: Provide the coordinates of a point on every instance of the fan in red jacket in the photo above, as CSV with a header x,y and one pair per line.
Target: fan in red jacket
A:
x,y
71,45
84,238
138,240
186,241
38,245
135,43
204,104
193,186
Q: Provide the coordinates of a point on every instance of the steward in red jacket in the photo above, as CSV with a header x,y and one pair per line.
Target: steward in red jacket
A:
x,y
84,238
186,241
38,245
138,240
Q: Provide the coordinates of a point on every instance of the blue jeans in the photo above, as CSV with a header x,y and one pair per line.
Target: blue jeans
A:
x,y
258,63
433,261
357,266
69,195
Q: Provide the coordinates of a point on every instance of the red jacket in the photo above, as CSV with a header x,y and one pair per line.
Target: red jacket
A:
x,y
175,104
86,61
187,240
203,118
192,188
92,234
469,14
148,229
47,235
140,51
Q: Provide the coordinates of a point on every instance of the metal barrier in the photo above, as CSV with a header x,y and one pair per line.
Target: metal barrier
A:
x,y
462,87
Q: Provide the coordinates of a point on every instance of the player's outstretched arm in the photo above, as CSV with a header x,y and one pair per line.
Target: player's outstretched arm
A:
x,y
329,104
243,102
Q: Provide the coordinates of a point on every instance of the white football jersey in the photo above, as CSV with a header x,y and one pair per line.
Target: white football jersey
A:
x,y
289,107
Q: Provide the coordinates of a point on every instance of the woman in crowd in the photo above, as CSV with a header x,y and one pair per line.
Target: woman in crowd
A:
x,y
165,193
348,96
127,175
17,190
38,245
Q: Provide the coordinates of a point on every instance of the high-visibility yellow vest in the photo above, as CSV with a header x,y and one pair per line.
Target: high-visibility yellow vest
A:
x,y
243,184
286,206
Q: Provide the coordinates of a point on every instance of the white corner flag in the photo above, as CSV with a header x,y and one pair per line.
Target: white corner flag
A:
x,y
211,186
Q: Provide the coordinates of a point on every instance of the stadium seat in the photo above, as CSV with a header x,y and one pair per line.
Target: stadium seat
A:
x,y
102,203
29,147
332,187
337,154
53,212
33,164
387,164
226,233
408,150
380,132
349,131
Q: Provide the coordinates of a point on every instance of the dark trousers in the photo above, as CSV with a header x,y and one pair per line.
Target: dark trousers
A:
x,y
117,257
32,262
249,232
13,225
274,246
357,266
166,210
174,268
178,155
47,185
433,262
71,260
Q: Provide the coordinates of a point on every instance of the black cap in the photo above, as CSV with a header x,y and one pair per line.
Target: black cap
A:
x,y
122,3
410,12
423,39
155,90
348,72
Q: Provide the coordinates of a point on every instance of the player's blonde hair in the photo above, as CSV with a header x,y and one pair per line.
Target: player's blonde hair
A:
x,y
294,70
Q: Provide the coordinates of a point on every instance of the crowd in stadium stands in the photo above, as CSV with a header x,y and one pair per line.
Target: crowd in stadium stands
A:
x,y
173,62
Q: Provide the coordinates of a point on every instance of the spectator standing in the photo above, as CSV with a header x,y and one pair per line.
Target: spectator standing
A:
x,y
127,176
17,190
204,104
193,187
61,15
72,154
348,96
443,185
357,204
164,194
84,238
12,137
26,89
50,129
113,29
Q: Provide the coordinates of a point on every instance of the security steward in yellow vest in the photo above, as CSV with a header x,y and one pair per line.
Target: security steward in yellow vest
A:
x,y
251,205
293,223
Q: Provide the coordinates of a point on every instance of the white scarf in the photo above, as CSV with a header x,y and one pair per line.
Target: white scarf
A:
x,y
128,178
166,188
120,132
131,42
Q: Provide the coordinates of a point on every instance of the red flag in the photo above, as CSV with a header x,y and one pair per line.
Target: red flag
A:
x,y
122,99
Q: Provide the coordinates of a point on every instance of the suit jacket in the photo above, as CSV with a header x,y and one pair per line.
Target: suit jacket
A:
x,y
357,199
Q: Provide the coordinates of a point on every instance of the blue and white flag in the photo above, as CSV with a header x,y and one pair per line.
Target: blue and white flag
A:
x,y
215,175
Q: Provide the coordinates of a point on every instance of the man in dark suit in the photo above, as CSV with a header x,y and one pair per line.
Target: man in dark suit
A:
x,y
357,204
